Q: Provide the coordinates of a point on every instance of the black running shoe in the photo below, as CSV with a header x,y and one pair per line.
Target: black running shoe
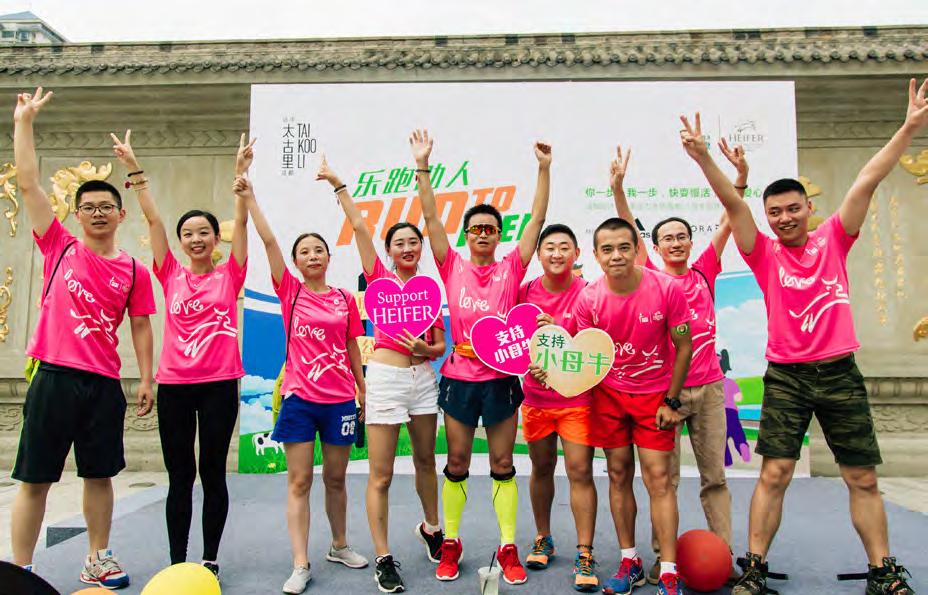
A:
x,y
212,567
432,542
387,578
754,579
888,579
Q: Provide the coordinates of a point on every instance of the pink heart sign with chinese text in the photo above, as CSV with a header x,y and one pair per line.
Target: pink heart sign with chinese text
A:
x,y
574,364
503,344
394,307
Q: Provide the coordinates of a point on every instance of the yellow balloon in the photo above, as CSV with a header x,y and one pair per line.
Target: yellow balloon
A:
x,y
183,579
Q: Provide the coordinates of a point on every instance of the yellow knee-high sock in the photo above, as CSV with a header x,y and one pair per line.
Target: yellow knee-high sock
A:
x,y
506,503
454,497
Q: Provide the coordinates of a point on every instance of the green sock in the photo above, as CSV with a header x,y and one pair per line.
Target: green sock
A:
x,y
454,497
506,503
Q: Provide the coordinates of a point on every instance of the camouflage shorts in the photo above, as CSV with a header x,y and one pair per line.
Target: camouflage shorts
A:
x,y
834,392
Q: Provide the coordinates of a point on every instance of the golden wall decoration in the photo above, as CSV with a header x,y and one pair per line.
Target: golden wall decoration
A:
x,y
66,181
921,329
6,298
879,264
8,192
917,166
812,190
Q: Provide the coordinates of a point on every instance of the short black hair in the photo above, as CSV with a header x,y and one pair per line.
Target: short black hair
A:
x,y
483,209
96,186
553,229
213,222
686,224
302,237
784,185
612,224
398,226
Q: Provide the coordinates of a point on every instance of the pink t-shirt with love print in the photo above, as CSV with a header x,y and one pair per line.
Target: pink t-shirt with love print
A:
x,y
87,298
561,307
474,292
200,323
318,368
806,294
381,339
640,324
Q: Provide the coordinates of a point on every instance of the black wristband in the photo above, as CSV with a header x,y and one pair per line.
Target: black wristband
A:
x,y
340,188
135,173
741,187
423,171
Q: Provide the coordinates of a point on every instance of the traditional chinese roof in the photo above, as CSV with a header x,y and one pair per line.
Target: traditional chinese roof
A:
x,y
719,53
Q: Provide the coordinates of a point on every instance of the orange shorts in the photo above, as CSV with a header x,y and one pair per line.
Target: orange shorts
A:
x,y
570,423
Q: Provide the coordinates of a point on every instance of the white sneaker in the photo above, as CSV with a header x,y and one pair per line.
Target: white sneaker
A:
x,y
297,582
346,556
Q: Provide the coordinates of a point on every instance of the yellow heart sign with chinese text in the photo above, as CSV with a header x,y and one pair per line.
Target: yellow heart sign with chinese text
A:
x,y
574,364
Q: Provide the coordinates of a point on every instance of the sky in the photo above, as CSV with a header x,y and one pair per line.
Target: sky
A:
x,y
176,20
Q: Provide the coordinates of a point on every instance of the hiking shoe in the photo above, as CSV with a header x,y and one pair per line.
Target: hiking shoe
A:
x,y
629,575
212,567
508,558
386,576
541,554
346,556
888,578
669,584
297,582
451,550
103,569
754,579
432,542
584,578
654,574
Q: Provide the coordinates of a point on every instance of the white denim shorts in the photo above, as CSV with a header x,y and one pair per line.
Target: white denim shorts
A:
x,y
393,394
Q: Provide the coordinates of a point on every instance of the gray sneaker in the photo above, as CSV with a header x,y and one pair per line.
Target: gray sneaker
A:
x,y
346,556
297,582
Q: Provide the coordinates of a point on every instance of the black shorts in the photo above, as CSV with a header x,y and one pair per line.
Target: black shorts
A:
x,y
65,406
494,400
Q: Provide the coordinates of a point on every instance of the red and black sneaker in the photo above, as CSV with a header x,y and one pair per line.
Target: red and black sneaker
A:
x,y
433,542
451,550
508,557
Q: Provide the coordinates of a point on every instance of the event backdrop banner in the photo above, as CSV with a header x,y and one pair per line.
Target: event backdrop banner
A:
x,y
483,153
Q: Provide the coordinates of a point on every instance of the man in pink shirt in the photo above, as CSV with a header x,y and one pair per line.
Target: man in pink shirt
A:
x,y
810,348
646,314
76,396
703,395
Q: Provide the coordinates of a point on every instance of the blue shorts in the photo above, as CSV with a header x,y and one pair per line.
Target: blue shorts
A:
x,y
299,420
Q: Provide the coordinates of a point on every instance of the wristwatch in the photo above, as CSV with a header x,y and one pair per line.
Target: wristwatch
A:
x,y
673,402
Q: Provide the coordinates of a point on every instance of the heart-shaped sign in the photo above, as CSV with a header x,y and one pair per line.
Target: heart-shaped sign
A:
x,y
574,364
394,307
503,344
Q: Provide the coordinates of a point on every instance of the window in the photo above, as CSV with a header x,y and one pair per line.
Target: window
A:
x,y
8,34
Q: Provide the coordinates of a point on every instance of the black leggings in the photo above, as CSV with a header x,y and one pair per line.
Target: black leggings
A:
x,y
180,407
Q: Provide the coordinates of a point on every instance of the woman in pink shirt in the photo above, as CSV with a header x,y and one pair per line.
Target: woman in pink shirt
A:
x,y
322,376
401,388
200,361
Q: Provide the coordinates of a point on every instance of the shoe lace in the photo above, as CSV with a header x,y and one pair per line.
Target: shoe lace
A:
x,y
109,564
388,566
584,564
540,546
893,578
625,568
448,549
670,582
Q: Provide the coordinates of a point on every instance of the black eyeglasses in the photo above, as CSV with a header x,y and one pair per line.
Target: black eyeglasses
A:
x,y
89,209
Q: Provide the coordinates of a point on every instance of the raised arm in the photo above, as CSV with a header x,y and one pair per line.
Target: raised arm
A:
x,y
737,158
853,210
243,159
38,208
275,258
362,234
739,214
421,144
122,149
529,240
617,170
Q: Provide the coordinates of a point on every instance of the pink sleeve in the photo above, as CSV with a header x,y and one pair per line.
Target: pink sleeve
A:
x,y
523,292
355,326
678,311
834,229
237,273
285,288
581,317
513,262
759,254
142,298
167,268
709,264
55,239
439,322
379,272
445,269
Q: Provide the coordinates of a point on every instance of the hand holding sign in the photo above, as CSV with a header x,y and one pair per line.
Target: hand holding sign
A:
x,y
503,344
395,308
573,365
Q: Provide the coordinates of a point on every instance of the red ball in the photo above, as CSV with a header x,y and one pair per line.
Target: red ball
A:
x,y
703,560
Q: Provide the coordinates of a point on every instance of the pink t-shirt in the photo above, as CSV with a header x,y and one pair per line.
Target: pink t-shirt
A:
x,y
699,291
200,323
381,339
87,299
561,307
318,368
474,292
640,324
806,293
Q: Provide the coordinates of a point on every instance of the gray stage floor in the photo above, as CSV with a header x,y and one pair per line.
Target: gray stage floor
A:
x,y
816,540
